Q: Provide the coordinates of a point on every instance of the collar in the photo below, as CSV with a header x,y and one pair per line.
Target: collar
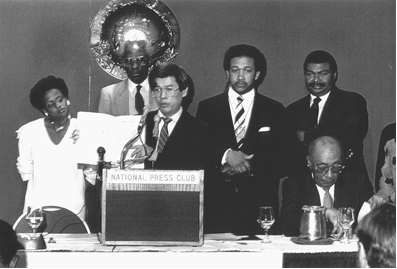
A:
x,y
323,98
132,85
248,97
174,117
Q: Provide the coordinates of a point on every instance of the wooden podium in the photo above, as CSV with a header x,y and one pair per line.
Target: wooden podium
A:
x,y
152,207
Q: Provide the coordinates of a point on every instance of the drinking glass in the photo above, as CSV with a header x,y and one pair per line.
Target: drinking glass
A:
x,y
266,220
345,219
34,218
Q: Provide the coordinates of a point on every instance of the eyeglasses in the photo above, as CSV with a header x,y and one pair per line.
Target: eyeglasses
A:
x,y
322,169
169,91
140,61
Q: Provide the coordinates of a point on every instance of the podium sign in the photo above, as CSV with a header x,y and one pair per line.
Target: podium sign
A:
x,y
152,207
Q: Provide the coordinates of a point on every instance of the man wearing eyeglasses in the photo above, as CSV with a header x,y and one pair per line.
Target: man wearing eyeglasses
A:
x,y
326,109
327,184
180,141
132,95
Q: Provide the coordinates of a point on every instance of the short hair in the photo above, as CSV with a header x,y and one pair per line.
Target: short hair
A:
x,y
9,243
321,56
170,69
242,50
325,140
40,89
377,232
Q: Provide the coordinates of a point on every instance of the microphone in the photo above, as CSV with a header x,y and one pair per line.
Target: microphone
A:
x,y
156,120
101,151
142,122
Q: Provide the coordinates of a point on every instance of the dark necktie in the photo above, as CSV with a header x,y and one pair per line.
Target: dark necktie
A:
x,y
239,128
327,200
163,134
139,103
314,111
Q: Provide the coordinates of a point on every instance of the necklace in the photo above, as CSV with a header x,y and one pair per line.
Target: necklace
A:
x,y
57,129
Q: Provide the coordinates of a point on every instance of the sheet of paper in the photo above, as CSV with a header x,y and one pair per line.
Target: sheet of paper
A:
x,y
107,131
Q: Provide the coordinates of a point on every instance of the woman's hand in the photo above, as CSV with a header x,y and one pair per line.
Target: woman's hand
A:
x,y
75,136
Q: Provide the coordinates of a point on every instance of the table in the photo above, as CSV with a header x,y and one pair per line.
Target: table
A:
x,y
218,251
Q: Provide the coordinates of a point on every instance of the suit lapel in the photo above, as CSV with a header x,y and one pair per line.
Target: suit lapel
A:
x,y
313,197
225,121
329,106
123,98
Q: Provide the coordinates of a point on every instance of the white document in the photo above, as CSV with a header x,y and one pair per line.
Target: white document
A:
x,y
107,131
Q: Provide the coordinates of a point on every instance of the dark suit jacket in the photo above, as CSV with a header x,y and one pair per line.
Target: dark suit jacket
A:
x,y
344,115
231,203
351,190
186,147
388,133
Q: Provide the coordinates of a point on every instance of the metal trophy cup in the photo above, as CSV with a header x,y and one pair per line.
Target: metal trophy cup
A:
x,y
122,26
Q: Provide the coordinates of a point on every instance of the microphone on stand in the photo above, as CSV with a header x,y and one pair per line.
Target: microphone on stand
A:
x,y
101,151
156,120
142,122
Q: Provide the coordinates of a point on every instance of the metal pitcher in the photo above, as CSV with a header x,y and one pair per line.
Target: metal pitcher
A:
x,y
313,224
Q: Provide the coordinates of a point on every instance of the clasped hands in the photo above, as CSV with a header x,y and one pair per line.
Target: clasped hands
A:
x,y
237,162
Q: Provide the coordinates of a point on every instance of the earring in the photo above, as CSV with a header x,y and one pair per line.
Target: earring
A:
x,y
46,114
68,102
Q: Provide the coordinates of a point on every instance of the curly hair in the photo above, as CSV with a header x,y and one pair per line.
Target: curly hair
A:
x,y
377,232
40,89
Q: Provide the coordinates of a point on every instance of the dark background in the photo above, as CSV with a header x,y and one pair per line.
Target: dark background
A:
x,y
43,37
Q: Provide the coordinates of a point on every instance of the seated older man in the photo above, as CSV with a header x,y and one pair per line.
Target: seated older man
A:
x,y
327,185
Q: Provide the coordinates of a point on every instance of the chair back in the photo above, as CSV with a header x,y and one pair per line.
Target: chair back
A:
x,y
56,220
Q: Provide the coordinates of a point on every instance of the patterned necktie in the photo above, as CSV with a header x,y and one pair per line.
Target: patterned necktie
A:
x,y
163,134
239,128
327,200
139,103
314,111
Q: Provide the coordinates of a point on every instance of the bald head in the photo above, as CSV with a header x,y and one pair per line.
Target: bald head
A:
x,y
325,142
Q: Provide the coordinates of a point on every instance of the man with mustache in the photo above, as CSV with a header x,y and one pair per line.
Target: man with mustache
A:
x,y
326,109
246,132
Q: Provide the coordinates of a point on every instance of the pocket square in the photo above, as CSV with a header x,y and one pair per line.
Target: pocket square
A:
x,y
264,129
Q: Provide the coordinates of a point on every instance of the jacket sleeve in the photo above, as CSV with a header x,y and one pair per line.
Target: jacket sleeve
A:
x,y
291,210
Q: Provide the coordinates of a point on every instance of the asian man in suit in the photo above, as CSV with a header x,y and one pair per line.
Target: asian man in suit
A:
x,y
246,131
326,184
326,109
180,141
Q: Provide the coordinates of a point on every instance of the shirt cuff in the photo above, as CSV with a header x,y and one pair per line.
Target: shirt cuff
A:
x,y
224,156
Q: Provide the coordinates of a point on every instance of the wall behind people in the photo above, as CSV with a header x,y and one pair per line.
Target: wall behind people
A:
x,y
41,37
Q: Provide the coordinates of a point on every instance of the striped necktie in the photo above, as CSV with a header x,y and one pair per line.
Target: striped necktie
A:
x,y
327,200
163,134
239,128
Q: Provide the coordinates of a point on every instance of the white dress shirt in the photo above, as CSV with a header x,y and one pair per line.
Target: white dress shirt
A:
x,y
145,92
321,192
247,103
171,124
320,105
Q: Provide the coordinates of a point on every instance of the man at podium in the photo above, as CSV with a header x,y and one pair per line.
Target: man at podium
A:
x,y
179,140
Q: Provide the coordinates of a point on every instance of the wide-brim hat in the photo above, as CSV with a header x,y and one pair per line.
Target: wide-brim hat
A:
x,y
147,22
